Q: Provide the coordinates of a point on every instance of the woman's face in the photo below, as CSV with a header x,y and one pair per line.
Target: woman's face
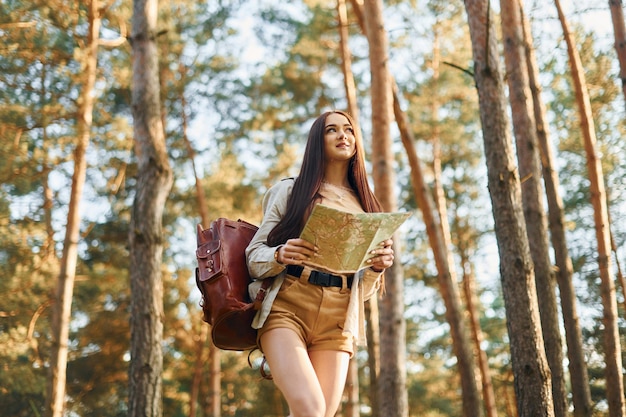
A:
x,y
339,140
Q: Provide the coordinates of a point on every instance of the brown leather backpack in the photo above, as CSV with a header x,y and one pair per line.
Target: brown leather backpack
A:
x,y
222,277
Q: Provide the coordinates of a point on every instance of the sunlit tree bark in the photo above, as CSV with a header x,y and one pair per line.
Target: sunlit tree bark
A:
x,y
579,379
371,306
61,310
612,348
446,274
351,391
154,180
530,367
373,349
444,258
532,195
214,405
392,394
471,301
346,59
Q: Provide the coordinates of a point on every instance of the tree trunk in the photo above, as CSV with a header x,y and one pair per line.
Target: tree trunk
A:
x,y
215,389
371,306
48,253
373,349
510,404
532,195
200,341
440,242
154,180
530,367
612,349
392,394
469,289
346,60
579,379
466,244
619,29
462,347
351,392
351,389
445,274
203,336
62,308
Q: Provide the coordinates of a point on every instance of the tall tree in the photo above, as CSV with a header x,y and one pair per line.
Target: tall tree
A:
x,y
532,195
437,227
530,367
446,275
201,336
619,31
346,58
612,349
351,391
392,396
61,310
471,301
154,180
579,378
371,306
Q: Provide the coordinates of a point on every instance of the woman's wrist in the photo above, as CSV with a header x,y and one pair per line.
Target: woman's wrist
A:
x,y
376,270
277,254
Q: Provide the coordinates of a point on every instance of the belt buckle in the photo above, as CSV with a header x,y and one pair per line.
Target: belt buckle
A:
x,y
325,279
320,278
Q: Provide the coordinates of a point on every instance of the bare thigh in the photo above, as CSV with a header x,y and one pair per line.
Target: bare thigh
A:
x,y
293,372
331,367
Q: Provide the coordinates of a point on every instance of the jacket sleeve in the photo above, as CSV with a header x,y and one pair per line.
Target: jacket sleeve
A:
x,y
371,283
260,256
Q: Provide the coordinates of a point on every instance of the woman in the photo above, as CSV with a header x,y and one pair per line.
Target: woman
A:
x,y
310,320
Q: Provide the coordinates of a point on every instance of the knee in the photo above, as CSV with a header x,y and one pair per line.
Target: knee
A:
x,y
307,406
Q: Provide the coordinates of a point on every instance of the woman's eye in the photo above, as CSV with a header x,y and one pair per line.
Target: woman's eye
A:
x,y
350,130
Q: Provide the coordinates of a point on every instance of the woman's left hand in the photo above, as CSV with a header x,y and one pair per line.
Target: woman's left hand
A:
x,y
382,258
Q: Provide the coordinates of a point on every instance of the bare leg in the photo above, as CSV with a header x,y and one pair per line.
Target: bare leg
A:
x,y
331,367
293,373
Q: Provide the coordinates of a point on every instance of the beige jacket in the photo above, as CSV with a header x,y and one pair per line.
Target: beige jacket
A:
x,y
262,265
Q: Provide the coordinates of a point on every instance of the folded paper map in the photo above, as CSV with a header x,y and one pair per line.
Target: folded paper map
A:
x,y
345,239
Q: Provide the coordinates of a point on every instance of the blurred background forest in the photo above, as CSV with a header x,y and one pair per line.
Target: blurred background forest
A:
x,y
241,81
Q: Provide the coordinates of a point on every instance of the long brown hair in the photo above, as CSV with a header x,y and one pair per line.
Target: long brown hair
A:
x,y
305,190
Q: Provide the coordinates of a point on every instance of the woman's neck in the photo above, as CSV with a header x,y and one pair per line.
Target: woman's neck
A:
x,y
338,177
337,182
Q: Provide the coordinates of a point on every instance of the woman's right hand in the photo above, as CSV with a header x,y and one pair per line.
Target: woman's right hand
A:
x,y
295,251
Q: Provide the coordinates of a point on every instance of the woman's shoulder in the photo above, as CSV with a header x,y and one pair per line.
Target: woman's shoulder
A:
x,y
284,185
280,191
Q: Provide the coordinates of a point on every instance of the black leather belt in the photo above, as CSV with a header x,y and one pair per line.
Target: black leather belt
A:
x,y
320,278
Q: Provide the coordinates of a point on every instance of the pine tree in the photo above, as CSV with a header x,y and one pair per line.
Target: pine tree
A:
x,y
154,179
612,349
532,196
534,397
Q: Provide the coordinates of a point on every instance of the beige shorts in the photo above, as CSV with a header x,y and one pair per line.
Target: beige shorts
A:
x,y
315,313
